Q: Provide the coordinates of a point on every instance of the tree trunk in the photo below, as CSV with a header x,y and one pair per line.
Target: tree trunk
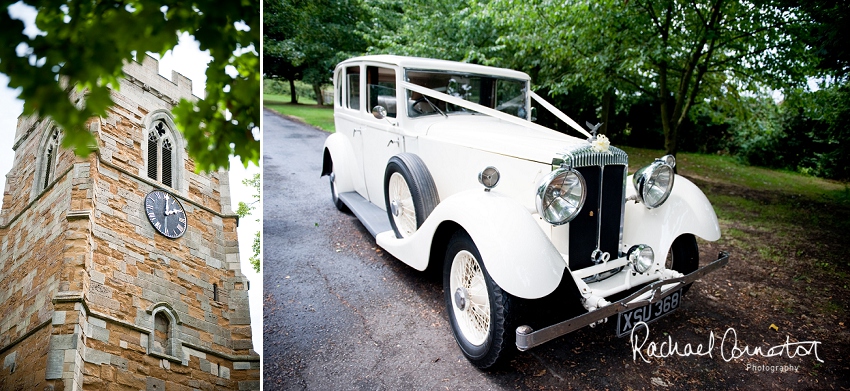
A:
x,y
317,89
667,123
664,92
671,129
293,96
607,107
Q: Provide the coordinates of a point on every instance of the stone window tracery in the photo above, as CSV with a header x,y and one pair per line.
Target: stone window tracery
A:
x,y
49,158
161,153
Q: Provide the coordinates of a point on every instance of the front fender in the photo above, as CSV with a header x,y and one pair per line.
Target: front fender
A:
x,y
339,158
687,210
516,252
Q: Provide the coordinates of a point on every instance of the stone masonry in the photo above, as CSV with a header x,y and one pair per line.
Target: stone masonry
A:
x,y
83,274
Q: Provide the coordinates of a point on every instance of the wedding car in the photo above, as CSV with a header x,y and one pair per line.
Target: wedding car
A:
x,y
444,165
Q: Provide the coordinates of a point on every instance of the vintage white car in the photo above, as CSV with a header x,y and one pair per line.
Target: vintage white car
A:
x,y
441,161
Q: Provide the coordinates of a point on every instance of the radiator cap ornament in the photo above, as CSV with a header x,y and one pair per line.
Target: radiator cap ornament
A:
x,y
600,142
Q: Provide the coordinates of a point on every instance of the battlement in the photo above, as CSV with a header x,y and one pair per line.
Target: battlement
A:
x,y
146,75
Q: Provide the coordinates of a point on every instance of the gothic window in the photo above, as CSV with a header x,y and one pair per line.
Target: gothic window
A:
x,y
161,154
161,334
164,338
49,157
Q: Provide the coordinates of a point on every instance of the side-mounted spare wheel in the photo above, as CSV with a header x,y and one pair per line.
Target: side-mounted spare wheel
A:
x,y
479,310
409,193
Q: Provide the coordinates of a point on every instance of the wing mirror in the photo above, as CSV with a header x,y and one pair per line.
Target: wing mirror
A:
x,y
379,112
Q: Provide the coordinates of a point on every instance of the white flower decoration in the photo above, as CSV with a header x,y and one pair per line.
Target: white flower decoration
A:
x,y
600,143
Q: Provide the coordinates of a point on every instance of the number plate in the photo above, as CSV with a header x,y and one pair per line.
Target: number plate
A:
x,y
627,320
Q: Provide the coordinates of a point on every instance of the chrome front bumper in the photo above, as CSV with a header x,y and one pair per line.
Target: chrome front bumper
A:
x,y
527,338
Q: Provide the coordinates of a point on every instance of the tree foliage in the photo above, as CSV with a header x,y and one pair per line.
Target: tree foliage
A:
x,y
304,40
444,29
85,44
243,210
829,33
675,51
807,131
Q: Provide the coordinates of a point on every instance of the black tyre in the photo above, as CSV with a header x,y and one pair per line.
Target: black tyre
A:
x,y
478,309
409,193
684,256
334,192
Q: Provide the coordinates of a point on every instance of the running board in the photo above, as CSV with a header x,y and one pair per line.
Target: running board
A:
x,y
373,218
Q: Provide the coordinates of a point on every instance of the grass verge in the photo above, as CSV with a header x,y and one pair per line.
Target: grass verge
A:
x,y
306,110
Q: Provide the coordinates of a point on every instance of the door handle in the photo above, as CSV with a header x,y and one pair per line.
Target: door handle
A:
x,y
397,141
357,130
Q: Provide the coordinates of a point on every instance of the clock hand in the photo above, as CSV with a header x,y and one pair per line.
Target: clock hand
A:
x,y
172,211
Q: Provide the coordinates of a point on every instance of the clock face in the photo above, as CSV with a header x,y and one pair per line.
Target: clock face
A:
x,y
165,214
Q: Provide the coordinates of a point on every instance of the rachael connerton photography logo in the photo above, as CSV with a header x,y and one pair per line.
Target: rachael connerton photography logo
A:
x,y
729,349
772,368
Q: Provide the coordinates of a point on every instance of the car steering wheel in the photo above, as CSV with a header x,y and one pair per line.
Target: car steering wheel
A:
x,y
422,106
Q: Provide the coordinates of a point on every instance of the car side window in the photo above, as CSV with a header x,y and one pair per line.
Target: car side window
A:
x,y
352,75
339,95
381,89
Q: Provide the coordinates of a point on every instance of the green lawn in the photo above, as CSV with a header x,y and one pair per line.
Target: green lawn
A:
x,y
731,171
306,110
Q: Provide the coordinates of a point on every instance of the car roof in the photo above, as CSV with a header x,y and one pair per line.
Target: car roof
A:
x,y
434,64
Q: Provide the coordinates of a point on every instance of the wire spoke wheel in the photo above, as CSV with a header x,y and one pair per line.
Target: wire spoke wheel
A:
x,y
409,193
472,303
401,200
478,309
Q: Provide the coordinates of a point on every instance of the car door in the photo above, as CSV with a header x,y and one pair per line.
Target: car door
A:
x,y
382,138
349,119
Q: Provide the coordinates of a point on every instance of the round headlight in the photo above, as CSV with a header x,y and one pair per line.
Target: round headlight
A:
x,y
654,182
641,257
561,196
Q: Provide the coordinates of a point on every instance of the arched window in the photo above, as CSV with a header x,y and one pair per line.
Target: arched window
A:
x,y
49,157
161,333
161,153
164,338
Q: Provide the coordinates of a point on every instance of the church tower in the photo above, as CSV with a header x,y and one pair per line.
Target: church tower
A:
x,y
121,270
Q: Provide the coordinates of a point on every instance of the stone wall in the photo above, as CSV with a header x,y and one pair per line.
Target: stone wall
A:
x,y
24,366
44,254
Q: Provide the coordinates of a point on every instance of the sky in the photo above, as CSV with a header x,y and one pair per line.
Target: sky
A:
x,y
187,59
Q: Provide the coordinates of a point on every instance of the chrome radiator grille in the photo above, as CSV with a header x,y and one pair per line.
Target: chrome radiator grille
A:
x,y
599,223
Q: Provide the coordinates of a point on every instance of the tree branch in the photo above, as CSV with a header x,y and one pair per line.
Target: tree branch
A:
x,y
634,84
696,10
750,34
680,108
701,70
543,16
651,11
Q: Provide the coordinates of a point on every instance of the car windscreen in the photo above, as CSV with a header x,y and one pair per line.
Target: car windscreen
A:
x,y
505,95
